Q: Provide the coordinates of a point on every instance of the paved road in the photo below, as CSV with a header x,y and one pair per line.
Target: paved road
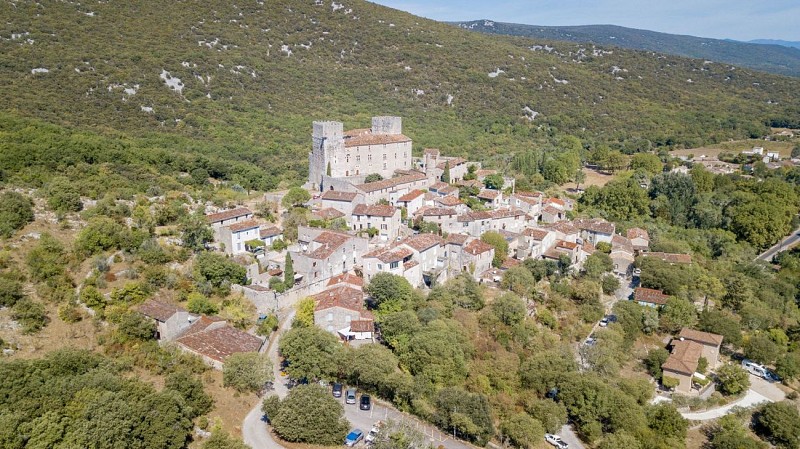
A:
x,y
760,391
569,436
621,294
787,243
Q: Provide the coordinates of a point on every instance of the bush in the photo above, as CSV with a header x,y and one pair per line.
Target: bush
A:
x,y
10,291
779,422
191,388
267,326
309,414
16,210
197,303
669,382
247,372
732,379
610,284
62,196
524,431
30,315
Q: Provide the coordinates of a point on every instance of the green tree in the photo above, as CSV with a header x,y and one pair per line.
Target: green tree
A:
x,y
677,314
609,283
494,181
62,195
309,414
551,414
311,353
509,309
522,430
373,177
30,315
221,440
198,303
217,270
389,291
519,280
788,366
375,368
295,197
597,264
732,379
723,323
16,210
621,199
446,172
195,232
100,234
761,349
135,326
703,179
499,244
465,413
267,326
655,358
288,271
191,388
619,440
728,433
667,422
247,371
438,353
305,313
648,162
779,423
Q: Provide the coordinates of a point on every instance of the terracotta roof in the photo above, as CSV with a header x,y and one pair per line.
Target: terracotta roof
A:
x,y
650,296
509,263
346,278
335,195
448,190
453,162
340,296
638,233
392,254
391,182
488,194
671,258
438,185
537,234
436,211
410,196
421,242
556,201
243,225
218,342
329,213
507,213
533,200
588,248
701,337
528,194
158,310
275,272
449,201
563,227
478,246
473,216
359,137
376,210
330,242
431,151
410,264
457,239
552,210
597,225
684,357
362,326
552,253
620,243
269,231
566,245
228,214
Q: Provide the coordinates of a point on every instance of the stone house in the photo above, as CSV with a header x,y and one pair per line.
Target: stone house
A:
x,y
476,255
269,234
391,259
639,238
595,230
708,341
534,243
170,320
342,201
445,217
451,201
649,297
682,363
234,236
510,219
552,214
472,223
529,202
429,253
622,255
491,198
348,279
340,310
384,218
324,253
227,218
392,189
214,340
412,201
564,231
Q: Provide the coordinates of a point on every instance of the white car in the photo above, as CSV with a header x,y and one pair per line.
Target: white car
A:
x,y
604,322
373,433
556,441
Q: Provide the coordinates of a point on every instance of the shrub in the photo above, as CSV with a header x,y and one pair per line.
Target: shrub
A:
x,y
16,210
30,315
197,303
247,372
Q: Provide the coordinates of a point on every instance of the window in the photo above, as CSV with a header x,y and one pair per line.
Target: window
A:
x,y
394,265
384,156
314,264
358,158
384,227
380,267
369,156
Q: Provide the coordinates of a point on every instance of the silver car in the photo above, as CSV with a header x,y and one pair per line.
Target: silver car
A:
x,y
350,396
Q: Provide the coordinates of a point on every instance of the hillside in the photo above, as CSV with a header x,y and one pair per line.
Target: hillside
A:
x,y
247,80
793,44
773,57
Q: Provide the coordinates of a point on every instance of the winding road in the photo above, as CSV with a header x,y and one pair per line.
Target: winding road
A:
x,y
787,243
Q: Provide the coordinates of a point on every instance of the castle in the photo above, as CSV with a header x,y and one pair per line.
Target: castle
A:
x,y
352,155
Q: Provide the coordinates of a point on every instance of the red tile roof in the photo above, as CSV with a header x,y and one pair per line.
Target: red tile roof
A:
x,y
219,341
438,185
510,263
537,234
410,196
362,326
487,194
410,264
335,195
392,254
448,201
563,227
158,310
556,202
453,162
376,210
330,242
228,214
552,210
457,239
706,338
474,216
684,357
269,231
478,246
243,226
597,225
329,213
391,182
650,296
359,137
421,242
566,245
346,278
638,233
341,296
436,211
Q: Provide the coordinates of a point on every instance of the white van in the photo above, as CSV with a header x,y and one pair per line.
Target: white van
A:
x,y
755,369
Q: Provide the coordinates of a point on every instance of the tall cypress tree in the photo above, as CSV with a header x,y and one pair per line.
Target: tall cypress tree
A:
x,y
446,173
288,272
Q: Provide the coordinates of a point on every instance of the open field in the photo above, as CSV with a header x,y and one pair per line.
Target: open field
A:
x,y
737,146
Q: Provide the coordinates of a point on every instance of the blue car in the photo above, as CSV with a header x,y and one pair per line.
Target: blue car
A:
x,y
353,437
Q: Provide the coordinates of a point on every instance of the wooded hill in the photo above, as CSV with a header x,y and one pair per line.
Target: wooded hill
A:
x,y
764,55
249,78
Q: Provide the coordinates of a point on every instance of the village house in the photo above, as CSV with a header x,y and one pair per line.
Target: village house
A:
x,y
433,164
445,217
710,343
227,218
412,201
327,214
382,217
529,202
682,364
649,297
510,219
393,259
428,252
392,189
270,234
324,253
640,239
535,242
472,223
443,189
595,230
564,231
622,255
552,214
344,202
340,310
476,256
490,198
348,279
451,201
170,320
234,237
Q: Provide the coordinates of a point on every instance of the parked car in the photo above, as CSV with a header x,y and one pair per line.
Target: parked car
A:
x,y
353,437
604,322
366,402
337,390
591,341
350,396
755,369
556,441
637,272
373,433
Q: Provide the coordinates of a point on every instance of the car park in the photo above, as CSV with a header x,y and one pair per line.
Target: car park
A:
x,y
373,433
337,390
350,396
353,437
556,441
365,403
